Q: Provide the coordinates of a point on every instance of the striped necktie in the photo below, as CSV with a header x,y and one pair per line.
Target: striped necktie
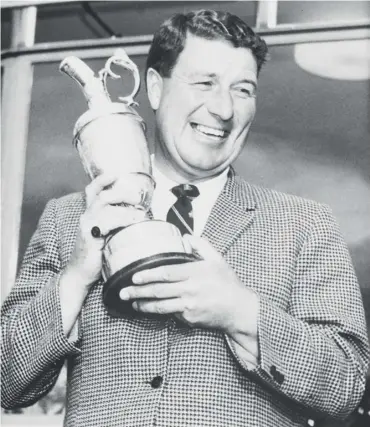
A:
x,y
181,213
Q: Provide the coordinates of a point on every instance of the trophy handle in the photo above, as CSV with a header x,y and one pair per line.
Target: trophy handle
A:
x,y
121,58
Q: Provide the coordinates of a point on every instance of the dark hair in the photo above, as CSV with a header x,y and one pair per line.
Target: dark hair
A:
x,y
169,40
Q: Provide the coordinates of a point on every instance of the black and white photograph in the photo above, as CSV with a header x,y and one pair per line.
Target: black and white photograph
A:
x,y
185,213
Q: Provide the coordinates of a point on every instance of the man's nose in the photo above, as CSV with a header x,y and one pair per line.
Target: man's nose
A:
x,y
221,104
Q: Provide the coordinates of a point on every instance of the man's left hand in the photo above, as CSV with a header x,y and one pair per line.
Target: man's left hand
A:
x,y
205,293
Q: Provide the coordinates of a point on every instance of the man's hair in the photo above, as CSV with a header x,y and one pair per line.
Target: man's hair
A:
x,y
169,40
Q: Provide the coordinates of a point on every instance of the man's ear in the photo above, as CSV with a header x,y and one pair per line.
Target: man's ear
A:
x,y
154,84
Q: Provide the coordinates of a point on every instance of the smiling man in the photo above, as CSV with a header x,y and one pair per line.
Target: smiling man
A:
x,y
204,109
265,328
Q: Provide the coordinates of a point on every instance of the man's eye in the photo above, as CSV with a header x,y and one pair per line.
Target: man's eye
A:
x,y
246,92
204,84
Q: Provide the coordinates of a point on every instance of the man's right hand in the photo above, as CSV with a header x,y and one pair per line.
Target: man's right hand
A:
x,y
104,198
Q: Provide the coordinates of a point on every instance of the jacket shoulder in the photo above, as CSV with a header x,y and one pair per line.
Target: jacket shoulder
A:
x,y
277,202
65,212
70,204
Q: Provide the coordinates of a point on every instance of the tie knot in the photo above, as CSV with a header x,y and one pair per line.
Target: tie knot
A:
x,y
185,190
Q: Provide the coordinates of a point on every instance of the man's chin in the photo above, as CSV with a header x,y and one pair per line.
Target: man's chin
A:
x,y
204,170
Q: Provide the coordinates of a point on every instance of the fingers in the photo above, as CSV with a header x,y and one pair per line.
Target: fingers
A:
x,y
202,248
109,218
152,291
167,306
164,274
108,190
97,185
110,202
121,191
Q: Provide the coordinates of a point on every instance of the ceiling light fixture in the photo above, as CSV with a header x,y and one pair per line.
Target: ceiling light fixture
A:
x,y
342,60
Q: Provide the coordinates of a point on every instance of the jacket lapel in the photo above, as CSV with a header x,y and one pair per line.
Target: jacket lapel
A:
x,y
231,214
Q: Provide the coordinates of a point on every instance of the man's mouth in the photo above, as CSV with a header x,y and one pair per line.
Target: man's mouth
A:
x,y
210,131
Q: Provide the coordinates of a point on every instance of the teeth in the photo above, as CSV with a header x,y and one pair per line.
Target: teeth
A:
x,y
210,131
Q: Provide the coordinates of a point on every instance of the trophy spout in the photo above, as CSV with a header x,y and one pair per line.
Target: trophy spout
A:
x,y
92,87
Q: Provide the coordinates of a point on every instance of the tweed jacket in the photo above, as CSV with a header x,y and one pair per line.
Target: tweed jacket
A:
x,y
157,372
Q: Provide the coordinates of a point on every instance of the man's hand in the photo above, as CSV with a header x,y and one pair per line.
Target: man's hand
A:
x,y
103,196
205,293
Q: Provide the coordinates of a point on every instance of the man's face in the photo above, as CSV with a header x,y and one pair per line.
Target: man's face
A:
x,y
205,109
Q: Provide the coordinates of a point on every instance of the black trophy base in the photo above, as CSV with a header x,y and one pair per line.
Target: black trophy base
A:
x,y
123,278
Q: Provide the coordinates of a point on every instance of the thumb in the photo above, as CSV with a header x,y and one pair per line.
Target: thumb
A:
x,y
201,247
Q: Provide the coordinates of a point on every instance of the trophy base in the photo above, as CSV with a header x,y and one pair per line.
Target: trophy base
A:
x,y
123,278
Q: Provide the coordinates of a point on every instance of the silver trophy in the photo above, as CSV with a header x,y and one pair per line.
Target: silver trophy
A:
x,y
110,137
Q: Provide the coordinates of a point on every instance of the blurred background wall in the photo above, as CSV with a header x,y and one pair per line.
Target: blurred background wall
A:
x,y
310,136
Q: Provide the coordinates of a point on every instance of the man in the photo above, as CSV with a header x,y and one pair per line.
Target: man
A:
x,y
266,329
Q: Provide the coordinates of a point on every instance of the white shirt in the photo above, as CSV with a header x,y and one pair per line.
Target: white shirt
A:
x,y
209,191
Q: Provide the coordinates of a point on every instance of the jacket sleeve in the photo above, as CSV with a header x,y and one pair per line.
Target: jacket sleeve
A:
x,y
34,346
317,353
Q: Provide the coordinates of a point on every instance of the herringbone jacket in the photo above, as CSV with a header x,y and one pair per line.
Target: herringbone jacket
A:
x,y
311,328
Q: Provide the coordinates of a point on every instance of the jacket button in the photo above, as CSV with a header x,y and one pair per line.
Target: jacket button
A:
x,y
156,382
